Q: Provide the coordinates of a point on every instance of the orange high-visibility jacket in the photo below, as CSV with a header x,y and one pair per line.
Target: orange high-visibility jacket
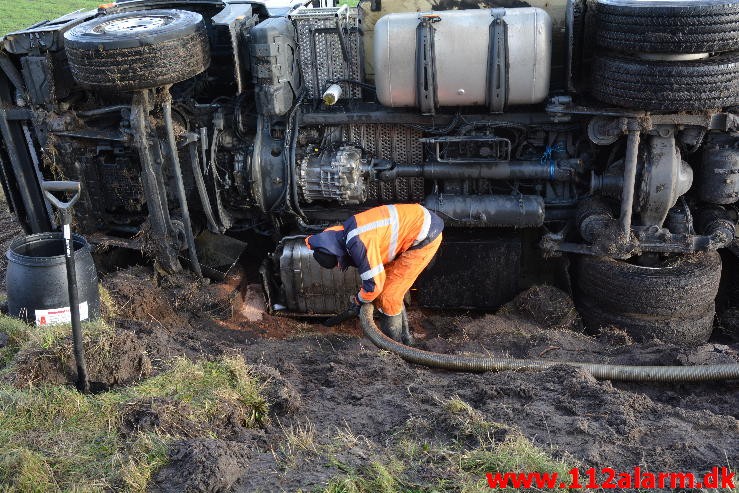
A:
x,y
376,236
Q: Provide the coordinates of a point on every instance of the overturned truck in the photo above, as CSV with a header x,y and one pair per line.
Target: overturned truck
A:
x,y
591,144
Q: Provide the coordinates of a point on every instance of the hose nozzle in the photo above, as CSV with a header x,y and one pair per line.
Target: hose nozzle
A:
x,y
332,94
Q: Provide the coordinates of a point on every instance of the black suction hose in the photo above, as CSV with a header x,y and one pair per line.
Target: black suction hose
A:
x,y
490,363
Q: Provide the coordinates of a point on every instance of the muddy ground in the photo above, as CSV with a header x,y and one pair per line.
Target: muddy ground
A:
x,y
332,382
338,380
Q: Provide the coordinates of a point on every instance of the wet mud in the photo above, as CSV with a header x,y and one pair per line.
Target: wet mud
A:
x,y
334,380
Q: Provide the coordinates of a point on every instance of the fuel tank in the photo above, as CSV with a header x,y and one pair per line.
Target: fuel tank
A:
x,y
491,57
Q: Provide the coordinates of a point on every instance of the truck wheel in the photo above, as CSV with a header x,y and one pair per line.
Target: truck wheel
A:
x,y
682,331
683,26
673,302
667,85
679,286
138,50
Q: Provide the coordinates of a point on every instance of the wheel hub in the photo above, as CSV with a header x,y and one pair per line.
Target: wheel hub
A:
x,y
133,24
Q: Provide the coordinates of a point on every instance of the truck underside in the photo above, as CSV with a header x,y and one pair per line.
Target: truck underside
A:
x,y
558,143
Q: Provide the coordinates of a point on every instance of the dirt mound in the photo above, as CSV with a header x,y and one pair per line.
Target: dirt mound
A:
x,y
137,297
282,396
613,336
202,464
547,306
113,359
173,316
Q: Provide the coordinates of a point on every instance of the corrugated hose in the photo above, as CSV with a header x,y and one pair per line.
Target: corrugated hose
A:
x,y
473,363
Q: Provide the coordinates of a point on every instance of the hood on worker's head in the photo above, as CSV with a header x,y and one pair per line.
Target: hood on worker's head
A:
x,y
331,241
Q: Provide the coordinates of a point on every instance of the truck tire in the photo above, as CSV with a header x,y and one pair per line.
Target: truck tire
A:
x,y
682,331
138,50
688,26
674,302
679,286
667,86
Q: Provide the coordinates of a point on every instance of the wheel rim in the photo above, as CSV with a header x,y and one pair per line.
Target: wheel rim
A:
x,y
133,25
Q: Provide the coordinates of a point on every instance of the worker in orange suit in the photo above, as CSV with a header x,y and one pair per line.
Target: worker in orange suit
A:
x,y
390,246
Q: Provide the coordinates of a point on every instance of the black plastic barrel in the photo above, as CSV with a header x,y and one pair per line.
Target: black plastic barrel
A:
x,y
36,279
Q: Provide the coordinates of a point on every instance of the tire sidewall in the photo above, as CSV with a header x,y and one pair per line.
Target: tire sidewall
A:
x,y
683,331
685,286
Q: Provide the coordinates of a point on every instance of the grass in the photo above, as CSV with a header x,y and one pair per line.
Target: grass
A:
x,y
19,14
53,438
458,468
459,465
377,477
51,340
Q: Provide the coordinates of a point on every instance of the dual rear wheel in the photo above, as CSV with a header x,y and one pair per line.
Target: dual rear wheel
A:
x,y
673,301
670,56
677,55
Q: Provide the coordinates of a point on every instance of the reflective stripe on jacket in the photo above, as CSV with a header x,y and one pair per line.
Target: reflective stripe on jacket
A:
x,y
376,236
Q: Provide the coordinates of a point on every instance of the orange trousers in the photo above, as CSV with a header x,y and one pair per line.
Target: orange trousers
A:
x,y
401,274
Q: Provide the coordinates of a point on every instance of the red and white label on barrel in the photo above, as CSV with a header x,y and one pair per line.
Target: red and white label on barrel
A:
x,y
60,315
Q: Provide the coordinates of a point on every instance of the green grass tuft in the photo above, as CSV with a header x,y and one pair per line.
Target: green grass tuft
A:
x,y
378,477
515,453
18,333
108,307
204,385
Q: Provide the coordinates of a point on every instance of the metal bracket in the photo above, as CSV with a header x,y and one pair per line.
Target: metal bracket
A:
x,y
426,84
163,231
498,62
640,243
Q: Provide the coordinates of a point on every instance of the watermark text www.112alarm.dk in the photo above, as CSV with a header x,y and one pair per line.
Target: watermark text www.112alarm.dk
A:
x,y
609,478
